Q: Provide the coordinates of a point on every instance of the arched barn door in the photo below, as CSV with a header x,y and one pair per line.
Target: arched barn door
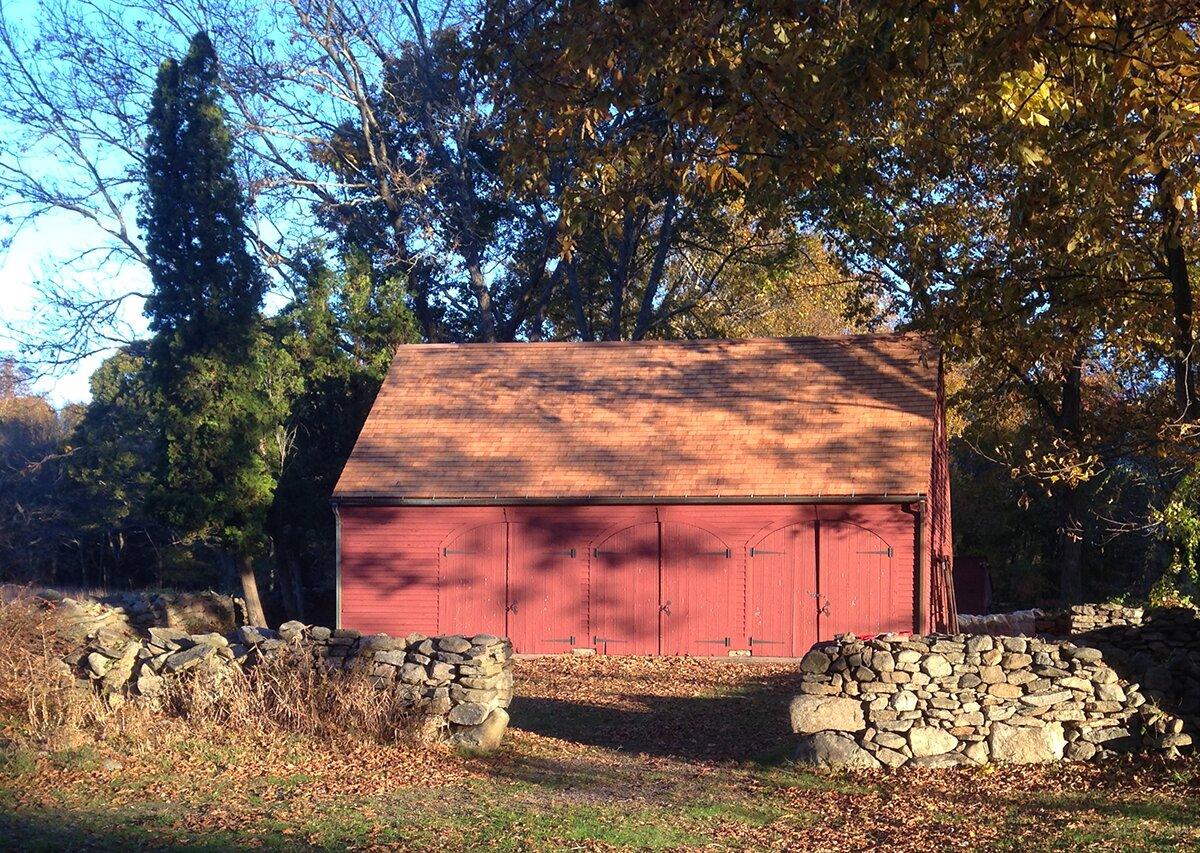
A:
x,y
697,596
471,581
547,587
624,591
782,588
856,583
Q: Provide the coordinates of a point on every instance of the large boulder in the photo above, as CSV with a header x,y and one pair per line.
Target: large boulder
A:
x,y
485,736
811,714
833,749
1027,744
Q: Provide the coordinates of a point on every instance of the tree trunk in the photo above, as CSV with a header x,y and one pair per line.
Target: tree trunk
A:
x,y
254,611
483,297
1183,339
291,586
1070,526
1070,547
1182,363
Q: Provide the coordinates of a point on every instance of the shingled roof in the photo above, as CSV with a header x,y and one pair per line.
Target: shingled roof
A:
x,y
838,416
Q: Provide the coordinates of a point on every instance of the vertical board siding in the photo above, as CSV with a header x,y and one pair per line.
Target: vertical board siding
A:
x,y
783,587
625,591
473,582
391,559
698,612
547,585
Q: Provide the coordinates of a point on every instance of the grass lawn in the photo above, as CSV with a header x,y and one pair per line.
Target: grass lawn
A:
x,y
603,754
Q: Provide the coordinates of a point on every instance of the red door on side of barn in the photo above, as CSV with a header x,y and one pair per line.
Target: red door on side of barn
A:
x,y
547,587
697,606
781,588
855,581
625,592
471,581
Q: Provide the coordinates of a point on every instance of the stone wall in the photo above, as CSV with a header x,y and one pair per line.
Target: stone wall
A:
x,y
81,615
459,686
948,700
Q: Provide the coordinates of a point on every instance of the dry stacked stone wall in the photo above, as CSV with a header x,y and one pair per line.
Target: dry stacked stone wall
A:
x,y
941,701
461,686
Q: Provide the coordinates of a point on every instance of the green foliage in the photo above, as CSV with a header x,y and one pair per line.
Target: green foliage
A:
x,y
207,285
221,387
1179,523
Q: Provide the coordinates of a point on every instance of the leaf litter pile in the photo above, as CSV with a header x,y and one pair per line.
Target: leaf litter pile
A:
x,y
603,753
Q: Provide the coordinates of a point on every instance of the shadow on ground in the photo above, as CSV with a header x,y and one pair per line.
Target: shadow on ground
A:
x,y
750,723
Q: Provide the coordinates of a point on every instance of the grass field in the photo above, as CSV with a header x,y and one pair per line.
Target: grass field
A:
x,y
603,754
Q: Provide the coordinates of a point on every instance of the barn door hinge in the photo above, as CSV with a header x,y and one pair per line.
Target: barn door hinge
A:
x,y
570,552
569,640
755,642
596,552
754,552
726,553
446,552
887,551
724,641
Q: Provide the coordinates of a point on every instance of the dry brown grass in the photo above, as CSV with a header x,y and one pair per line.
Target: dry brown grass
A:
x,y
292,691
42,702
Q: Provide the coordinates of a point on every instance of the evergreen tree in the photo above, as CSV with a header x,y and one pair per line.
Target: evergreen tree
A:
x,y
223,387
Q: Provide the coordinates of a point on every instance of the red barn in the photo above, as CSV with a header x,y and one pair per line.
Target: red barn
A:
x,y
658,497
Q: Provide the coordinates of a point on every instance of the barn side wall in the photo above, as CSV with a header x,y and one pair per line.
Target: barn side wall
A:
x,y
392,558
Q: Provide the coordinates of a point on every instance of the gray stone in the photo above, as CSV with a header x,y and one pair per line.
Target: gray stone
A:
x,y
815,662
395,657
1027,744
936,666
486,736
454,645
928,740
469,713
904,700
188,658
832,749
1084,654
811,714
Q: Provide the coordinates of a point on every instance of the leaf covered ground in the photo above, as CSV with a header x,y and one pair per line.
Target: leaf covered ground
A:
x,y
603,754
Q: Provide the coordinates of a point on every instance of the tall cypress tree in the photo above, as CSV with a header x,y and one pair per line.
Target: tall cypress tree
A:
x,y
222,387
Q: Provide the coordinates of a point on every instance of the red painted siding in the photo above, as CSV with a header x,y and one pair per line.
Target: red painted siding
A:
x,y
625,591
783,589
401,571
547,585
697,591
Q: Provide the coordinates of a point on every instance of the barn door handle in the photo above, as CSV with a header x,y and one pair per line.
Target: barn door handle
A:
x,y
666,609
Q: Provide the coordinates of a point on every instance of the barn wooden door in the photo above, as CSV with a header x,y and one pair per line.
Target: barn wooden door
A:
x,y
625,592
697,596
782,589
855,581
547,587
472,582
